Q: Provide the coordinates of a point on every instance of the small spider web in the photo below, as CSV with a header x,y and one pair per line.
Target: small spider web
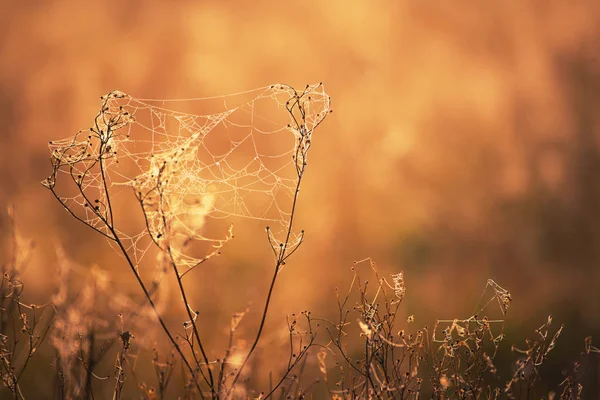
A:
x,y
187,162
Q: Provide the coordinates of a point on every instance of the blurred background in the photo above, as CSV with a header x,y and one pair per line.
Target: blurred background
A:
x,y
463,146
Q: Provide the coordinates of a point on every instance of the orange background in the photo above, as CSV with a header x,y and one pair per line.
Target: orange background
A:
x,y
463,146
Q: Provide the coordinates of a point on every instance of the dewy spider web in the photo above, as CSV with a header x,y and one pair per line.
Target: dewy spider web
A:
x,y
244,159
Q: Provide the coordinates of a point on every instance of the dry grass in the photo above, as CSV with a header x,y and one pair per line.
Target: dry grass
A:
x,y
367,352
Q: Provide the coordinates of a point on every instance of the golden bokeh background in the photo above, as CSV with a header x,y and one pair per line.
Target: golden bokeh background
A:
x,y
463,144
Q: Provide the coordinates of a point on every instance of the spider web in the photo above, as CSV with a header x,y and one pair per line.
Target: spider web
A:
x,y
186,162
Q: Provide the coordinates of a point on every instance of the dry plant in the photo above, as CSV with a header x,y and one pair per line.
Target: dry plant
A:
x,y
23,327
453,360
180,178
528,367
386,366
184,174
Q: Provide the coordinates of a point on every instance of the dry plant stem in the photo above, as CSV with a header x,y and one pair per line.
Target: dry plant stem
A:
x,y
13,312
179,278
300,373
33,345
301,151
90,366
120,378
294,360
119,366
282,379
195,329
134,270
192,318
337,341
153,306
115,237
221,380
278,264
164,372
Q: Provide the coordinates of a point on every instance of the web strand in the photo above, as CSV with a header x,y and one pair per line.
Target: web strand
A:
x,y
186,163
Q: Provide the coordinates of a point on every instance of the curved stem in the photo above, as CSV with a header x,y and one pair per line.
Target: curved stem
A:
x,y
117,240
278,264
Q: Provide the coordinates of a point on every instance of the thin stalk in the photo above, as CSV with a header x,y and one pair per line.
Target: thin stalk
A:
x,y
278,265
139,279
